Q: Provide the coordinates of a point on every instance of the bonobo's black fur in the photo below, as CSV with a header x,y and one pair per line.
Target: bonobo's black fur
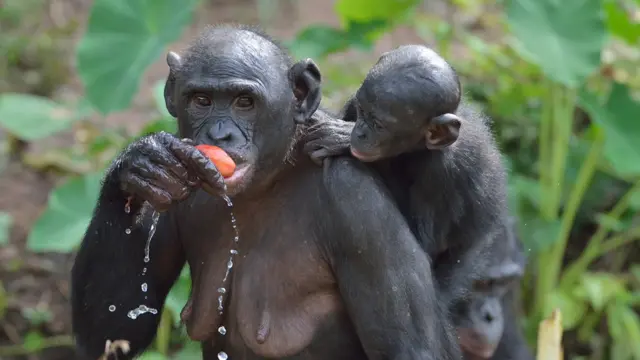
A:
x,y
487,321
349,284
444,170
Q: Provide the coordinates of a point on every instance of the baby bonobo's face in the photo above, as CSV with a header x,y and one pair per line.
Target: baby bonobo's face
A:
x,y
386,129
382,131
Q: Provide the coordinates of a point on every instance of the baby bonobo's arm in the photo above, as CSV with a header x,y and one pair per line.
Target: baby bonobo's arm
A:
x,y
383,275
328,136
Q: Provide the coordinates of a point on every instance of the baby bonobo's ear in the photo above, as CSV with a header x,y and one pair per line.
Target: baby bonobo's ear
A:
x,y
442,131
305,79
175,63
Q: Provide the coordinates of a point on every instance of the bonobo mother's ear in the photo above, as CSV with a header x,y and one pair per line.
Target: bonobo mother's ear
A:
x,y
442,131
175,63
304,78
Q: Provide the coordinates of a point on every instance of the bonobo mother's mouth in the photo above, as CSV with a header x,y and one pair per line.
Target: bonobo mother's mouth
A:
x,y
239,175
364,157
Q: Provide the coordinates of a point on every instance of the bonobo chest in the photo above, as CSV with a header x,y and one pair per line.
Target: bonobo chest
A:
x,y
280,289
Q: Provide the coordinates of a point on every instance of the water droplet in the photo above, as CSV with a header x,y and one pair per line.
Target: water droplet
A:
x,y
127,208
236,239
220,307
155,216
112,308
234,251
142,309
222,355
144,271
230,264
222,290
127,231
144,287
222,330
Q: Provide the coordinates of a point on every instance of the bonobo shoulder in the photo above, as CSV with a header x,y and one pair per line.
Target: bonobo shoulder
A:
x,y
348,178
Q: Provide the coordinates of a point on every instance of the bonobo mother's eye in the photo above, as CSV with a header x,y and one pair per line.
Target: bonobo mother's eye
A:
x,y
201,100
243,102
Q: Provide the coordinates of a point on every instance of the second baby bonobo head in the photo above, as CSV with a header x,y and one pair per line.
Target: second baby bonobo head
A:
x,y
405,103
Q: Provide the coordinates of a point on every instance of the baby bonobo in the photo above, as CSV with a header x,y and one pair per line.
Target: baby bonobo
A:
x,y
406,103
440,162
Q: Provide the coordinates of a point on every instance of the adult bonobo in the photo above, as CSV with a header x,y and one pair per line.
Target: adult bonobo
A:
x,y
327,267
488,321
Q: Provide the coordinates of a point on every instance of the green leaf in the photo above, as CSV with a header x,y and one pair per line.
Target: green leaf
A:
x,y
634,201
158,98
179,294
601,288
610,223
573,309
564,38
123,38
619,119
69,209
317,41
5,225
367,10
620,23
624,326
538,234
33,341
152,355
31,117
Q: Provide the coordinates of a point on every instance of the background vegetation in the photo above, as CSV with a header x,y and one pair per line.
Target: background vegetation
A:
x,y
559,78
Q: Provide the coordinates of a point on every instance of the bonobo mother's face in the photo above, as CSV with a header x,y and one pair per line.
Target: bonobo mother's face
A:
x,y
230,89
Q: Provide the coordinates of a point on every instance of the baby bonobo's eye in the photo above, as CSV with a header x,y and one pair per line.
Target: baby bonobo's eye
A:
x,y
201,100
243,102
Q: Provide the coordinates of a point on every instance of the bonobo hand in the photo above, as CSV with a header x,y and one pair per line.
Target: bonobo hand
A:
x,y
327,137
163,169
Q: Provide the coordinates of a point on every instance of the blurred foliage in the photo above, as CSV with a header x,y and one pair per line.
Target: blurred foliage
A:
x,y
560,80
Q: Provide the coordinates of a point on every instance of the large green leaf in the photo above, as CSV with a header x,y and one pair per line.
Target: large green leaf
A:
x,y
30,117
123,38
619,119
564,38
61,227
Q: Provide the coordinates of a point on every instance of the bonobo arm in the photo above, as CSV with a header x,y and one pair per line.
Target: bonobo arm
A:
x,y
160,170
383,275
108,272
327,136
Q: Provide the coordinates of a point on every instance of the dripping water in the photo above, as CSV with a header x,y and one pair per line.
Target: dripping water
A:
x,y
154,222
155,216
142,309
234,251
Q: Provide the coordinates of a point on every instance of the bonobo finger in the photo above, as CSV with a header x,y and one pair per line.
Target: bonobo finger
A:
x,y
176,187
318,156
198,164
158,198
158,154
311,146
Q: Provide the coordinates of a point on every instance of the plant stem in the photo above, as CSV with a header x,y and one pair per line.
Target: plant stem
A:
x,y
591,252
555,134
585,175
618,241
163,338
21,349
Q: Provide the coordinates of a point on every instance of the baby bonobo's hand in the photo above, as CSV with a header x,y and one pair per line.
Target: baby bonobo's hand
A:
x,y
327,137
163,169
